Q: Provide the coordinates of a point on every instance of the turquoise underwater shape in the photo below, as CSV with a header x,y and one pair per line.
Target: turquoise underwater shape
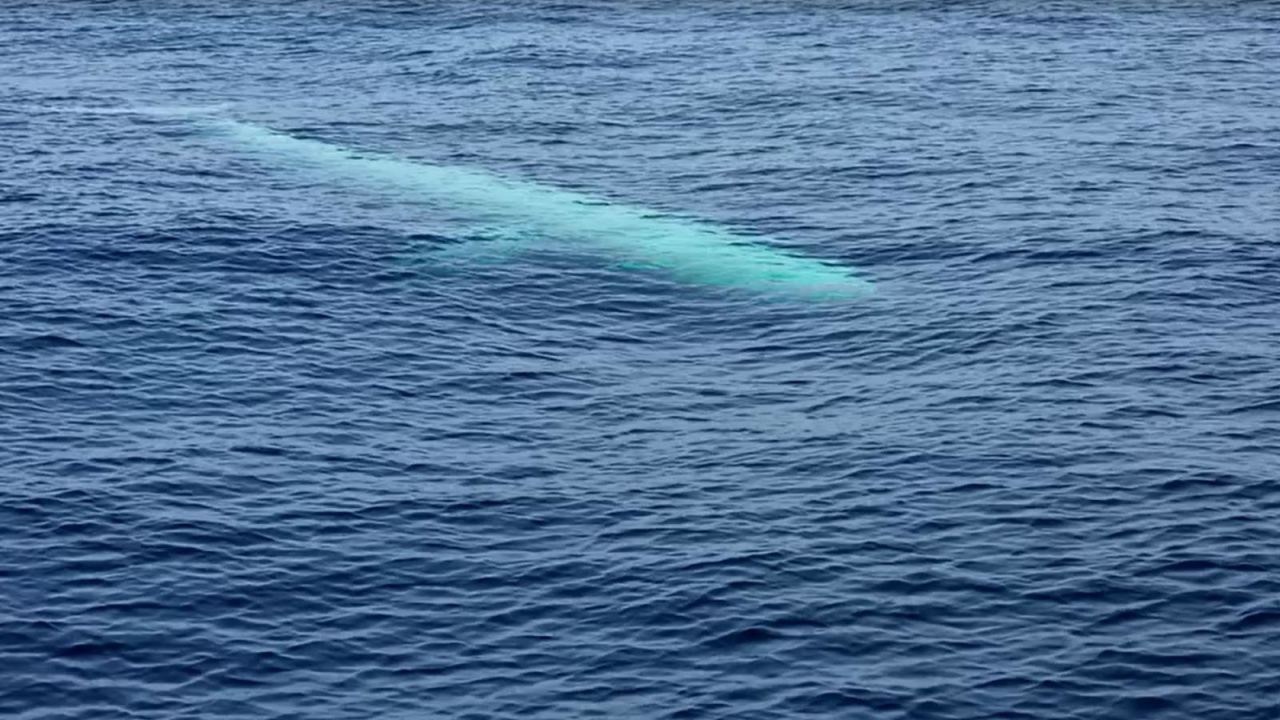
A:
x,y
689,250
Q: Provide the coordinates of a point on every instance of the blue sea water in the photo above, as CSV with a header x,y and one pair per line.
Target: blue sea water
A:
x,y
260,456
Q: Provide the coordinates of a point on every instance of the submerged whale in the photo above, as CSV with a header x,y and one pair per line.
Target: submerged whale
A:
x,y
689,250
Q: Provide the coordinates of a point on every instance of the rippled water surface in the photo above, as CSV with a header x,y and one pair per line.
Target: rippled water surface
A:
x,y
270,447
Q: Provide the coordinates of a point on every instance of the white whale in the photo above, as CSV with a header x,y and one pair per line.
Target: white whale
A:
x,y
690,251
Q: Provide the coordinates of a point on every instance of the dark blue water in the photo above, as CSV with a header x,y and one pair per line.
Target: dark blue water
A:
x,y
259,458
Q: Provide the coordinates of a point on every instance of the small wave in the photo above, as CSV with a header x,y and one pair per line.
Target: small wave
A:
x,y
153,111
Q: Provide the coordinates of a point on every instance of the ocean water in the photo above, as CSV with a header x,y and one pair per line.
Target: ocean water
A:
x,y
271,448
